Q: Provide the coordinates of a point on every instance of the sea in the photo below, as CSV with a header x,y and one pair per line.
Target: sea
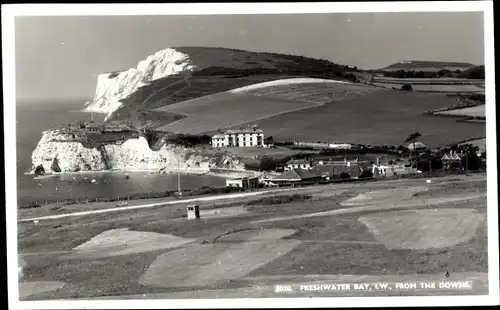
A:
x,y
32,118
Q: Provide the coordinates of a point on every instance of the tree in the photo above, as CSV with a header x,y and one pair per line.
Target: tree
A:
x,y
413,138
406,87
470,160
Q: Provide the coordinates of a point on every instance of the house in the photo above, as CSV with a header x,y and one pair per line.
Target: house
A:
x,y
297,164
242,137
383,170
352,170
218,140
115,127
93,128
245,182
298,176
451,159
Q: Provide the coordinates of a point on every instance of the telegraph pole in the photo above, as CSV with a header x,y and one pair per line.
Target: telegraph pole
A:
x,y
179,179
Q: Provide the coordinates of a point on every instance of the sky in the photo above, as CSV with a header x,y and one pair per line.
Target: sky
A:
x,y
60,57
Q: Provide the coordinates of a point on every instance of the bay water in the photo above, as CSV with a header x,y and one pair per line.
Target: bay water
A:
x,y
32,118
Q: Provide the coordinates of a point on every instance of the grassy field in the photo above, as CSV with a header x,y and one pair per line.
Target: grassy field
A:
x,y
218,70
253,152
481,143
158,251
225,110
313,92
418,65
384,118
339,119
444,88
477,111
428,81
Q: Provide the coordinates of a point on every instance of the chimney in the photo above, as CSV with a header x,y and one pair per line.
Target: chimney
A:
x,y
378,161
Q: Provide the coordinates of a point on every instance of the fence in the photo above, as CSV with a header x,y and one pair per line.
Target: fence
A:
x,y
100,199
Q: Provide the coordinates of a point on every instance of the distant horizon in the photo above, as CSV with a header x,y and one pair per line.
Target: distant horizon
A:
x,y
59,57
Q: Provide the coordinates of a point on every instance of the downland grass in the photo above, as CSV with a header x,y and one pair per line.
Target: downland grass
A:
x,y
337,245
384,116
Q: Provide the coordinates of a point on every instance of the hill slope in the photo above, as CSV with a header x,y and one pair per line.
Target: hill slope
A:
x,y
181,73
414,65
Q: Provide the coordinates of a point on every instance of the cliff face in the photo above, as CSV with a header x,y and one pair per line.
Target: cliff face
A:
x,y
56,152
112,87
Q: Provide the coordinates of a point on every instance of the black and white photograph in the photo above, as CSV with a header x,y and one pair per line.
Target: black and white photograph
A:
x,y
250,154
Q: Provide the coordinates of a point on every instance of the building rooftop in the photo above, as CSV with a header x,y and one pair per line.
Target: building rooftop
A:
x,y
352,170
244,130
218,136
298,162
297,175
92,125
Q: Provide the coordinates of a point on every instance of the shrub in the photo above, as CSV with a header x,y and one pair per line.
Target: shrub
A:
x,y
278,200
344,176
406,87
366,174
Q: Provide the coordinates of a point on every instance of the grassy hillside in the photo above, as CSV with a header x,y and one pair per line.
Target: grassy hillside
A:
x,y
384,117
222,69
415,65
199,102
474,73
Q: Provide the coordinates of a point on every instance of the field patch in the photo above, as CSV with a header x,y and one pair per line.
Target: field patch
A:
x,y
225,110
423,229
477,111
285,82
319,93
123,241
364,205
222,212
209,264
481,143
444,88
37,287
384,196
382,118
257,235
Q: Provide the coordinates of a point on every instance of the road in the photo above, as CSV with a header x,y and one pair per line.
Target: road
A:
x,y
242,195
157,204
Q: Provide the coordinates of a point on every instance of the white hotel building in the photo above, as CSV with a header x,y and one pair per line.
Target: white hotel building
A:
x,y
243,137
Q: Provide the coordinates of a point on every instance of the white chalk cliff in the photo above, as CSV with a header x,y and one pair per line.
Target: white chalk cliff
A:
x,y
58,152
112,87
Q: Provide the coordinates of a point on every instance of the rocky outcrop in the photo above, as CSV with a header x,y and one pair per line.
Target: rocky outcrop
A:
x,y
58,152
112,87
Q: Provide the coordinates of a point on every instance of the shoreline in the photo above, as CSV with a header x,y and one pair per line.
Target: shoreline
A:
x,y
190,171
